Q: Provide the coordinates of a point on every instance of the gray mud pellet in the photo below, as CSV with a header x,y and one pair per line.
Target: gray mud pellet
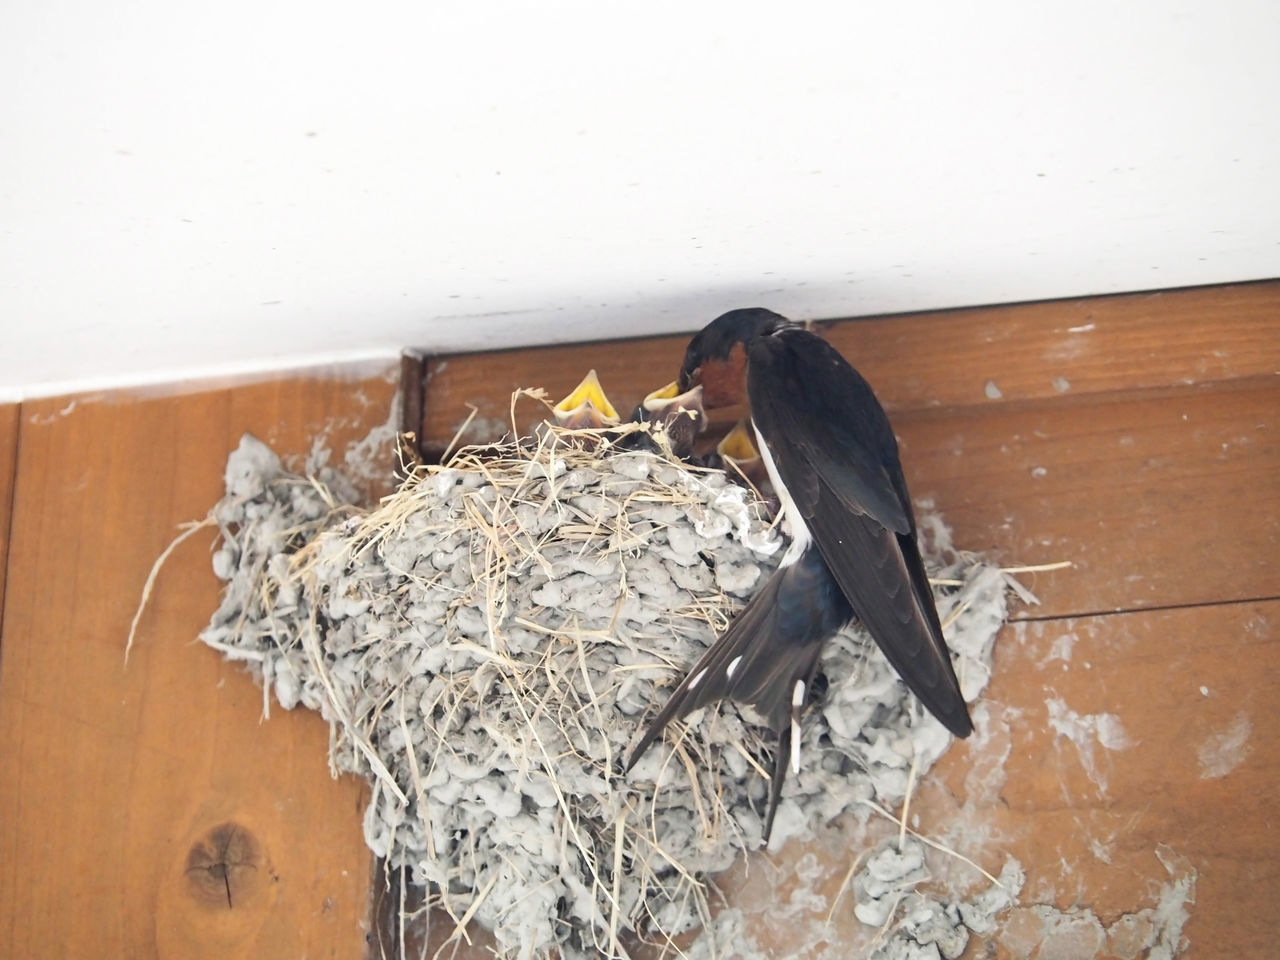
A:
x,y
634,466
694,578
548,595
683,541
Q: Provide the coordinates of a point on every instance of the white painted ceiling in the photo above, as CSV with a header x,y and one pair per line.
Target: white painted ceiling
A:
x,y
189,189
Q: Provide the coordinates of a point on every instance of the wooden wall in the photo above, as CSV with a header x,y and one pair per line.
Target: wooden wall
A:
x,y
147,811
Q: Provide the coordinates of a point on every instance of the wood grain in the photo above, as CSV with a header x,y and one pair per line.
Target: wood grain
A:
x,y
146,810
1158,498
1027,351
9,413
1086,821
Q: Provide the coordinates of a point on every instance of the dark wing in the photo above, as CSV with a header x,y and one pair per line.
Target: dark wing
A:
x,y
770,646
836,454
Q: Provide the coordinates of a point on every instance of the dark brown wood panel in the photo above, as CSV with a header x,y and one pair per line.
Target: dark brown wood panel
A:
x,y
126,787
1024,351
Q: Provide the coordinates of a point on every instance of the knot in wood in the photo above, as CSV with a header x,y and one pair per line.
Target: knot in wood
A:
x,y
224,866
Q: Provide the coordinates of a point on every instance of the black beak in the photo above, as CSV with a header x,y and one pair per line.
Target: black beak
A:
x,y
690,375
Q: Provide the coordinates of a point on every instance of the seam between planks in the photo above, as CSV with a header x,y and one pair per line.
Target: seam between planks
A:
x,y
1156,608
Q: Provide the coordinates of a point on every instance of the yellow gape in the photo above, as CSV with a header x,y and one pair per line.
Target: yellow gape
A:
x,y
586,407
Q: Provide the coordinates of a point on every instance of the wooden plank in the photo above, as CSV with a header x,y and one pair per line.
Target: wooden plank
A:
x,y
1159,498
1133,488
947,358
125,788
1192,692
9,413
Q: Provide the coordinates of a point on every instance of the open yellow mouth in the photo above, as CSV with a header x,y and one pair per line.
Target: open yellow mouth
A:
x,y
669,392
670,397
738,445
586,403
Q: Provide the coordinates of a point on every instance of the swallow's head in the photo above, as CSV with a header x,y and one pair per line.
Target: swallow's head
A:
x,y
717,356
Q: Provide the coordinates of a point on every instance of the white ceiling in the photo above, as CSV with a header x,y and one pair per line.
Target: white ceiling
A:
x,y
190,189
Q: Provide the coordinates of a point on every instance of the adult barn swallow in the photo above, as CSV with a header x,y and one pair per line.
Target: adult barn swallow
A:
x,y
833,460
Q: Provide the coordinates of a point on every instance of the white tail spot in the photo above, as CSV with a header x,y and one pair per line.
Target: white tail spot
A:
x,y
797,698
733,665
697,678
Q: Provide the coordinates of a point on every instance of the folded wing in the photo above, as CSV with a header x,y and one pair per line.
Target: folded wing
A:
x,y
766,658
838,458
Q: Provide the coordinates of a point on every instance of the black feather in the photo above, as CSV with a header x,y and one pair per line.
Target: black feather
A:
x,y
778,636
838,459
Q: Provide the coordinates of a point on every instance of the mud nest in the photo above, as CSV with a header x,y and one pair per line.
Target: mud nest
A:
x,y
487,642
